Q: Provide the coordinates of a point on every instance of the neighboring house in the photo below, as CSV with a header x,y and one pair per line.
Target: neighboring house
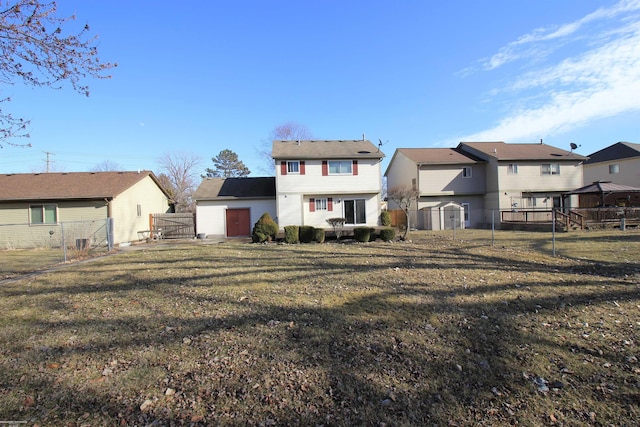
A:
x,y
618,163
318,180
229,207
489,176
37,205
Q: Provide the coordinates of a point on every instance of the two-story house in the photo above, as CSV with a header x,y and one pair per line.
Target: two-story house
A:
x,y
318,180
618,163
489,176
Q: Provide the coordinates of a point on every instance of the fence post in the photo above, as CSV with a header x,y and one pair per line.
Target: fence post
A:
x,y
110,234
64,244
553,231
493,226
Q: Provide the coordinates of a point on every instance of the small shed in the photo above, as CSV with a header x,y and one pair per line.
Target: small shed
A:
x,y
444,216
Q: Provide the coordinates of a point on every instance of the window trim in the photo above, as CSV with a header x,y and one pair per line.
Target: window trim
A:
x,y
553,169
340,164
614,168
466,174
322,204
290,163
43,212
512,169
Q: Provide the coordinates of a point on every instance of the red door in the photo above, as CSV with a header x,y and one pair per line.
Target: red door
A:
x,y
238,222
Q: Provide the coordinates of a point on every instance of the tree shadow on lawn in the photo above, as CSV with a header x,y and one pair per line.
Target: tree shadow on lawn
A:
x,y
401,351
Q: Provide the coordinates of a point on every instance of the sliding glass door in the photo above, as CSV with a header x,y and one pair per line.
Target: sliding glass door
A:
x,y
355,212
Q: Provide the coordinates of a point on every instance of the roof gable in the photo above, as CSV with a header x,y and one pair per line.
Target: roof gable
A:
x,y
503,151
325,149
70,185
236,188
617,151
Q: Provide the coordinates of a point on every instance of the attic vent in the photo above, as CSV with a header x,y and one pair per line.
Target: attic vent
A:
x,y
364,152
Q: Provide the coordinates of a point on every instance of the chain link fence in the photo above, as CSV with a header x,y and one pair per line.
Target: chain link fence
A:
x,y
51,244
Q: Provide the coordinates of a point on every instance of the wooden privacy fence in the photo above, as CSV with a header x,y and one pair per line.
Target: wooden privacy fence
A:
x,y
172,225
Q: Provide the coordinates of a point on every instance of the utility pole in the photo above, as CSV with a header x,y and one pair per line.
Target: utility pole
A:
x,y
48,153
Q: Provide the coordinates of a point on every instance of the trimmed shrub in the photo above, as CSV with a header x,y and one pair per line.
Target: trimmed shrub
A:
x,y
388,234
372,235
306,233
362,234
385,218
318,235
291,234
265,229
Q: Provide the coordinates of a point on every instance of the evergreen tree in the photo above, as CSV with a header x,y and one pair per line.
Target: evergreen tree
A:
x,y
227,165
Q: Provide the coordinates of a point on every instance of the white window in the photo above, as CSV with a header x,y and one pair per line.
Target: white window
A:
x,y
321,204
340,167
550,169
43,214
512,169
293,166
139,210
466,172
614,168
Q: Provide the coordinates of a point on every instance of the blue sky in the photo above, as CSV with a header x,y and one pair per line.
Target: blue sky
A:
x,y
202,76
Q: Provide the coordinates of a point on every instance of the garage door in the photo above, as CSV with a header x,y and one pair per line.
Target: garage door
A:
x,y
238,222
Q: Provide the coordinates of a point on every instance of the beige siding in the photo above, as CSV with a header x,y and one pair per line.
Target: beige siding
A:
x,y
628,172
127,222
22,234
448,180
401,171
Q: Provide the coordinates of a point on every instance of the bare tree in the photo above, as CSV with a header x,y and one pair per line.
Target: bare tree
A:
x,y
404,197
290,131
227,165
179,176
37,51
107,166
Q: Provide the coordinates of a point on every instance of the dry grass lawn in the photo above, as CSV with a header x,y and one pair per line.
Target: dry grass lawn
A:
x,y
436,331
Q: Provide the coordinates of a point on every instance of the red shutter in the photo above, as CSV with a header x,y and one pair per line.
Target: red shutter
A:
x,y
355,167
302,167
283,168
325,168
312,205
330,204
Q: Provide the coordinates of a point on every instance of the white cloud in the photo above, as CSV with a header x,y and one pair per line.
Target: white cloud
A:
x,y
601,81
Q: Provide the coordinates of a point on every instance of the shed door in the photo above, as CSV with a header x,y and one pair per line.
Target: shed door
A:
x,y
238,222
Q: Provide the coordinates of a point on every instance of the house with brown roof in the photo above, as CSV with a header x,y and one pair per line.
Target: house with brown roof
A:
x,y
618,163
34,208
321,179
488,176
229,207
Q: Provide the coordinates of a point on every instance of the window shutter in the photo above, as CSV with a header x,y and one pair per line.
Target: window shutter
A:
x,y
325,168
283,168
312,205
355,167
330,204
301,167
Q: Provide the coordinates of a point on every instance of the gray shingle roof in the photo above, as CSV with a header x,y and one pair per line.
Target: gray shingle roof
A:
x,y
617,151
236,188
503,151
319,149
439,156
71,185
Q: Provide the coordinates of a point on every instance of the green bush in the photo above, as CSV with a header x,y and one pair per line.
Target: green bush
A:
x,y
306,233
291,234
362,234
387,234
372,235
318,235
385,218
265,229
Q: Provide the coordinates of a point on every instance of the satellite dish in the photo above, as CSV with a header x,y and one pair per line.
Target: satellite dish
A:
x,y
573,146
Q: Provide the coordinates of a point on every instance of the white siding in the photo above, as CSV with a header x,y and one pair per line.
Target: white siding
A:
x,y
211,214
